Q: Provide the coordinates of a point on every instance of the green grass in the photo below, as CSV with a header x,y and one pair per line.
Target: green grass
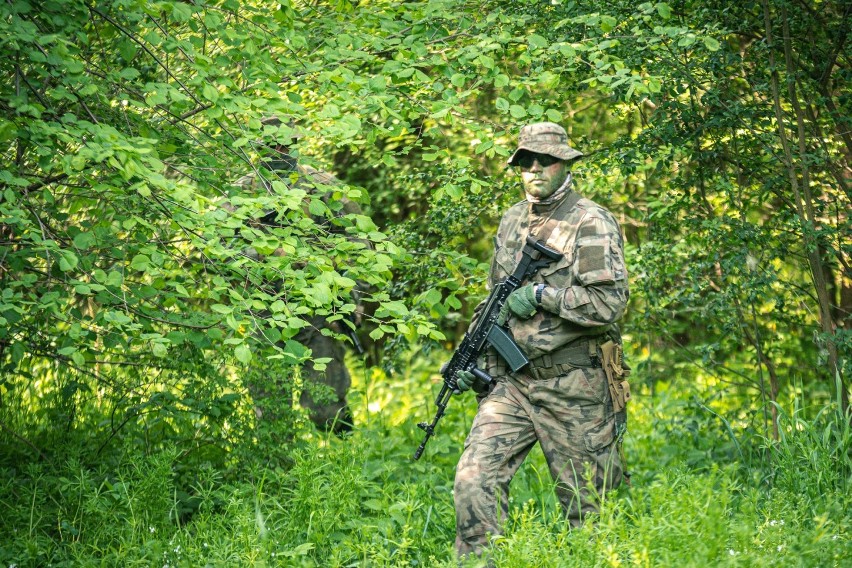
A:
x,y
361,501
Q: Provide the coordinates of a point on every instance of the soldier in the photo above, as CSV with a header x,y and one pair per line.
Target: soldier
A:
x,y
333,414
561,319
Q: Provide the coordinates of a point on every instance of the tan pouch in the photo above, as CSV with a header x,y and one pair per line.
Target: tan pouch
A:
x,y
616,374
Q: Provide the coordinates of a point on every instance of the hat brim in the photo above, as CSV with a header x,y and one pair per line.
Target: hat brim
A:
x,y
562,151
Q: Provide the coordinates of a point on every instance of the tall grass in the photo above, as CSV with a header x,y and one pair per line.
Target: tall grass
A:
x,y
813,457
361,501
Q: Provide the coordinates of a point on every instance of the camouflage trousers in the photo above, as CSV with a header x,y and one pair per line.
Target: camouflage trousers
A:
x,y
570,416
328,410
326,406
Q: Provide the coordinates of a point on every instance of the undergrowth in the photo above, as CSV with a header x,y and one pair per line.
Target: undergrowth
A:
x,y
695,499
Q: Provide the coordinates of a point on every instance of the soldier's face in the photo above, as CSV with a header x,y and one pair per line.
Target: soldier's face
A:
x,y
542,174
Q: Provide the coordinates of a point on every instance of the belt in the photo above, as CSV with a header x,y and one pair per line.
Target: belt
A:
x,y
582,353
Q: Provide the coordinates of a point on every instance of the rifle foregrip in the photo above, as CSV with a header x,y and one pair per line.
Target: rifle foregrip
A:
x,y
482,376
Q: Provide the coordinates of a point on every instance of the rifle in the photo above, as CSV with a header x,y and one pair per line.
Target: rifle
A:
x,y
487,331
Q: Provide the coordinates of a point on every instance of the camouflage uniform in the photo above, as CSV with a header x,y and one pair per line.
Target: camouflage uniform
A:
x,y
325,413
562,399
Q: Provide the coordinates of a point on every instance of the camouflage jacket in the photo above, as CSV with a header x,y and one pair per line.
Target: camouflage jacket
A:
x,y
586,290
300,177
305,184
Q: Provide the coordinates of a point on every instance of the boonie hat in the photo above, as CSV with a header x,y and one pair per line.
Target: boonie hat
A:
x,y
545,138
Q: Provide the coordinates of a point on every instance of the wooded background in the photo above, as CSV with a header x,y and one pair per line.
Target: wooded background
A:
x,y
719,134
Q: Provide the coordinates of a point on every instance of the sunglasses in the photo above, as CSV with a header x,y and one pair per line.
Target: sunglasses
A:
x,y
527,159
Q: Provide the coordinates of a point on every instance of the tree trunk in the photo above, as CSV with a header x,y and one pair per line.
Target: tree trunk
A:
x,y
804,200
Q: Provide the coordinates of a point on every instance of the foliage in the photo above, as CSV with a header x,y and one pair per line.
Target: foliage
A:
x,y
120,262
143,307
361,501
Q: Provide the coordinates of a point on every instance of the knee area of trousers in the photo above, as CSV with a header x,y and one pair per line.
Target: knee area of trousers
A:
x,y
468,479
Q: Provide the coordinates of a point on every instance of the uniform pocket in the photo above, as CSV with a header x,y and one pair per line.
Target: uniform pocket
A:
x,y
594,260
576,396
593,383
558,274
600,437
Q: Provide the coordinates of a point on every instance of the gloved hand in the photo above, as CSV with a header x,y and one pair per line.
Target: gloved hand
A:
x,y
522,302
464,381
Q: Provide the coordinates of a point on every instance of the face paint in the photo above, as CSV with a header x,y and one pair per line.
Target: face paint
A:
x,y
542,174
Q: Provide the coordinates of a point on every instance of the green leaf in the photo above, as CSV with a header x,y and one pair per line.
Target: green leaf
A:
x,y
83,289
517,111
483,146
608,23
127,49
210,93
68,261
553,115
458,80
393,308
221,309
181,12
243,353
686,40
537,41
349,126
83,240
159,349
664,10
320,294
317,208
140,262
712,44
432,297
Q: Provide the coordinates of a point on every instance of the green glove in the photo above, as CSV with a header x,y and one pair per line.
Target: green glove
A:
x,y
503,316
522,302
464,381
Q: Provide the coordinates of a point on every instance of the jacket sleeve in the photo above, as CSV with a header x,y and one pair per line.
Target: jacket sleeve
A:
x,y
594,291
